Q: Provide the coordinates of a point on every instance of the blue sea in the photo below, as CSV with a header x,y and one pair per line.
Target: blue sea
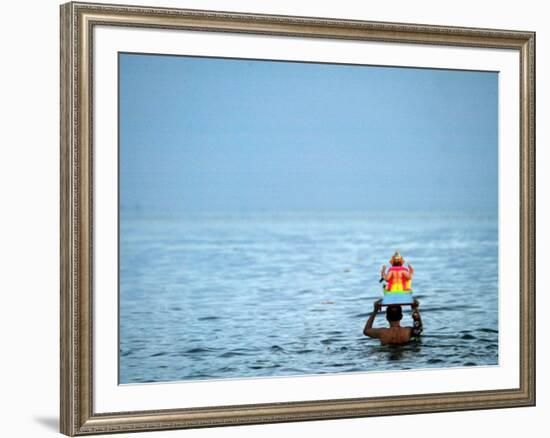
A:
x,y
216,296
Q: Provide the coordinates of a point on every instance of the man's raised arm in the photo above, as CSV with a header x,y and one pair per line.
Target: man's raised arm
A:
x,y
368,330
417,320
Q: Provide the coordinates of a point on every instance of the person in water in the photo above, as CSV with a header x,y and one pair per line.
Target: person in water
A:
x,y
395,334
398,277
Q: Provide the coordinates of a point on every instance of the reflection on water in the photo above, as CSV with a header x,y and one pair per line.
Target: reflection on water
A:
x,y
251,296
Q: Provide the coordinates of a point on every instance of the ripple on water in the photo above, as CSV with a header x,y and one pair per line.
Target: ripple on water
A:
x,y
162,353
330,341
198,350
232,353
488,330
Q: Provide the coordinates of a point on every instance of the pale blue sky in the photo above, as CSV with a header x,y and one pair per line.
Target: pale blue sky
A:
x,y
225,135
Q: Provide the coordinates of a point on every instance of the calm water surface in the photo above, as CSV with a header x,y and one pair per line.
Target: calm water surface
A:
x,y
239,296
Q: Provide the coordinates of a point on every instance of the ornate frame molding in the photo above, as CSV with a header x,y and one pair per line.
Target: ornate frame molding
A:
x,y
76,392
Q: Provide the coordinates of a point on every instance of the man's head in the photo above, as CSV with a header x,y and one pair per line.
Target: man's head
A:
x,y
394,313
396,259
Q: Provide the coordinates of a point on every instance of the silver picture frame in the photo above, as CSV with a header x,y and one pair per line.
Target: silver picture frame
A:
x,y
77,145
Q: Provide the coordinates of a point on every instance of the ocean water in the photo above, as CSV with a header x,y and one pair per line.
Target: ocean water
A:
x,y
257,295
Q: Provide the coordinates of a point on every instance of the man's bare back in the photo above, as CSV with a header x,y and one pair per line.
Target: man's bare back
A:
x,y
395,335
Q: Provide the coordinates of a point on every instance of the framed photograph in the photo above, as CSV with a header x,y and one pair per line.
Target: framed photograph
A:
x,y
275,218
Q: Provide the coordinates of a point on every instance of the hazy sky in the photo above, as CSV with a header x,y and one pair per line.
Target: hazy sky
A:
x,y
199,134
